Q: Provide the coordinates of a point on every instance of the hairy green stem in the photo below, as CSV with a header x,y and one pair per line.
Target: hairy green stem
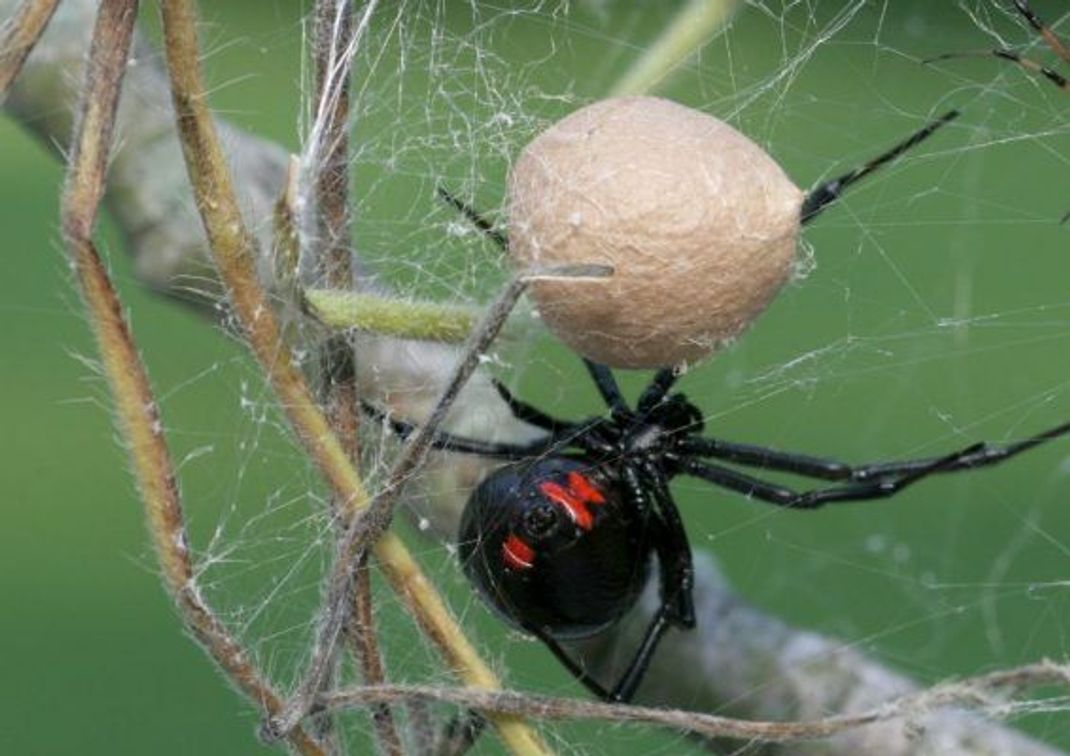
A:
x,y
390,316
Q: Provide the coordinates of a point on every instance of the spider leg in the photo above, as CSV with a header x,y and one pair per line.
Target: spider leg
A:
x,y
460,733
532,415
781,496
1043,30
1053,41
983,455
581,434
574,668
652,395
674,550
1051,75
677,577
607,387
625,688
449,442
766,459
824,194
474,217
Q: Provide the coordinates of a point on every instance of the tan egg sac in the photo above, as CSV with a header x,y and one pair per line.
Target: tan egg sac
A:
x,y
698,222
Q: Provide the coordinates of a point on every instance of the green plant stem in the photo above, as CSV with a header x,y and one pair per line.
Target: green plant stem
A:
x,y
686,33
390,316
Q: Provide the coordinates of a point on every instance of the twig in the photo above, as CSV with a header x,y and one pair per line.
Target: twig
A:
x,y
21,33
975,692
234,249
330,250
326,156
363,644
366,650
138,415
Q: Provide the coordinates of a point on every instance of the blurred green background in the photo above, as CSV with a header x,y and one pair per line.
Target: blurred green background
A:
x,y
937,314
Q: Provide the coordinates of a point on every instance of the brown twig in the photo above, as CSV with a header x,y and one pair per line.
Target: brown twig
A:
x,y
21,34
365,648
370,525
330,248
327,155
234,250
136,408
979,692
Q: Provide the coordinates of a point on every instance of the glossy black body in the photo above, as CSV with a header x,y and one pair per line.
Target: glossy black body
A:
x,y
581,579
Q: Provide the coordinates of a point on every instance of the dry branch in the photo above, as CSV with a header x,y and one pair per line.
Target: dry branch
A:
x,y
136,408
19,34
331,253
766,669
993,691
366,650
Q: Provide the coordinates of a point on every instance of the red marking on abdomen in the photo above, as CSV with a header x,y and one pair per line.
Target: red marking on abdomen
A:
x,y
574,499
517,554
584,489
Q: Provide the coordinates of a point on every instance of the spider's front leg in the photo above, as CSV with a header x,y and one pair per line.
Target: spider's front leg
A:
x,y
878,488
1043,30
1050,37
970,458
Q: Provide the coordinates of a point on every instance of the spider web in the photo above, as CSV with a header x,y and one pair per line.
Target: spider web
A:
x,y
923,319
930,312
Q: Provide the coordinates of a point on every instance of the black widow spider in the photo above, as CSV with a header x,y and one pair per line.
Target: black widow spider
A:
x,y
559,540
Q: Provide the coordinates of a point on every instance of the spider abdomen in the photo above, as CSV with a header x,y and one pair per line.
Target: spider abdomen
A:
x,y
551,545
